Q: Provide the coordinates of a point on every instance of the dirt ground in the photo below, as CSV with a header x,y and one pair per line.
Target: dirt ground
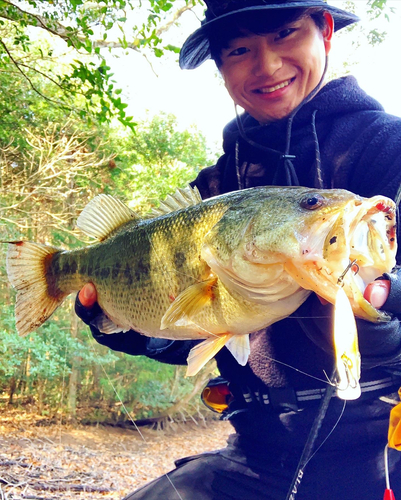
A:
x,y
41,462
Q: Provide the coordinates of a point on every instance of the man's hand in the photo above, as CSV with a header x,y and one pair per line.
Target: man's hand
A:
x,y
377,292
86,305
88,296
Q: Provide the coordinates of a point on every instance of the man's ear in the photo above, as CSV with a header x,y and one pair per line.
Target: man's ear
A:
x,y
328,31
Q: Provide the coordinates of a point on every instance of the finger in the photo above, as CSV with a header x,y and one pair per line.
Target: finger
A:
x,y
323,301
88,295
377,293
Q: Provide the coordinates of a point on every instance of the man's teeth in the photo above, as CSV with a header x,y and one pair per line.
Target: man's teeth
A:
x,y
269,90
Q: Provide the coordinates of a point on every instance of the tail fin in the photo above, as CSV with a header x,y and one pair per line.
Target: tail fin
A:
x,y
26,268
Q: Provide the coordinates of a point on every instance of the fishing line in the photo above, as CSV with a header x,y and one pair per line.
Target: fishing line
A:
x,y
115,391
327,382
175,489
330,433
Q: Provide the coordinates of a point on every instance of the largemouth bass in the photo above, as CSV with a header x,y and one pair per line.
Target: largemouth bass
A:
x,y
217,269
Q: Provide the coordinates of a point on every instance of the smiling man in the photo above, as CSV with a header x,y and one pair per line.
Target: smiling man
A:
x,y
297,129
269,75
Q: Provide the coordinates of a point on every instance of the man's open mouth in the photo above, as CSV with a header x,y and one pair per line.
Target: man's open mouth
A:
x,y
269,90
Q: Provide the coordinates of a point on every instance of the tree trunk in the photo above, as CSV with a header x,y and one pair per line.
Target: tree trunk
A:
x,y
12,389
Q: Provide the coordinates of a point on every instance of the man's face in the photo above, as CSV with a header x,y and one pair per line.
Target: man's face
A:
x,y
270,75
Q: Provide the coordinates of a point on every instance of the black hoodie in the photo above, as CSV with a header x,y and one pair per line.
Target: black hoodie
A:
x,y
341,132
342,138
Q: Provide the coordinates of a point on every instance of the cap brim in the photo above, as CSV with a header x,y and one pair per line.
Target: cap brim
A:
x,y
196,48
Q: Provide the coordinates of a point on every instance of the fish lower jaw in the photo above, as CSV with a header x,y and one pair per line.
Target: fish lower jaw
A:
x,y
364,310
354,288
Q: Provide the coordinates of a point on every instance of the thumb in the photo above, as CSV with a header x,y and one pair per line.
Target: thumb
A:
x,y
377,293
88,296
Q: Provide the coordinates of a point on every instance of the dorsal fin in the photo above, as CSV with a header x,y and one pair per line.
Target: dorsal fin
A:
x,y
103,215
182,198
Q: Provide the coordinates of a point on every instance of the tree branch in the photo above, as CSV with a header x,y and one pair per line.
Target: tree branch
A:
x,y
174,19
36,19
59,29
26,77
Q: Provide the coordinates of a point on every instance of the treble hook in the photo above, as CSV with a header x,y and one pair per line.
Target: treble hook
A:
x,y
350,266
352,382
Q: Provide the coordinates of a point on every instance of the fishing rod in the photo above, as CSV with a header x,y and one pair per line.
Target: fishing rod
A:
x,y
307,452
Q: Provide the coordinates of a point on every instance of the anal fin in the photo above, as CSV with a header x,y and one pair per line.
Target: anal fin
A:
x,y
240,348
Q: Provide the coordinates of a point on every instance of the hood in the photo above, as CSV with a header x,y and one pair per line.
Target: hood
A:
x,y
341,96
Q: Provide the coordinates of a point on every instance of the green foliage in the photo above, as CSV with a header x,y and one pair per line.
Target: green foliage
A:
x,y
36,369
156,159
82,30
43,359
375,9
144,385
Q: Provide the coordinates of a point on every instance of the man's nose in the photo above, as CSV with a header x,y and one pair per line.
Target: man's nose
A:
x,y
267,62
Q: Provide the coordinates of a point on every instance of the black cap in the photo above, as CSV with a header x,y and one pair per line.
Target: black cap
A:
x,y
196,48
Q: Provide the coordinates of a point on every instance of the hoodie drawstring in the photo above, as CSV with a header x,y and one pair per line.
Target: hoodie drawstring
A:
x,y
319,171
290,174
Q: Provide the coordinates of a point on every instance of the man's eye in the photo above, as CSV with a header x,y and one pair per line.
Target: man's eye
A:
x,y
284,33
239,51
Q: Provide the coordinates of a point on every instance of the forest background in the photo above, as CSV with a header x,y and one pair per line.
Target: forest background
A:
x,y
67,134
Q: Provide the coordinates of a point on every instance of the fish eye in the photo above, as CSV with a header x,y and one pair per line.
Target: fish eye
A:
x,y
312,202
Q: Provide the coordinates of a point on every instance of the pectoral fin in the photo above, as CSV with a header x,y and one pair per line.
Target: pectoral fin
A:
x,y
188,304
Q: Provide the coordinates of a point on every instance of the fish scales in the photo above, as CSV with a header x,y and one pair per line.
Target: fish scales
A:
x,y
140,270
217,269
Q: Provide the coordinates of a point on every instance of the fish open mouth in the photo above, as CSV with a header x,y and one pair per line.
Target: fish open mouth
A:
x,y
350,248
373,241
